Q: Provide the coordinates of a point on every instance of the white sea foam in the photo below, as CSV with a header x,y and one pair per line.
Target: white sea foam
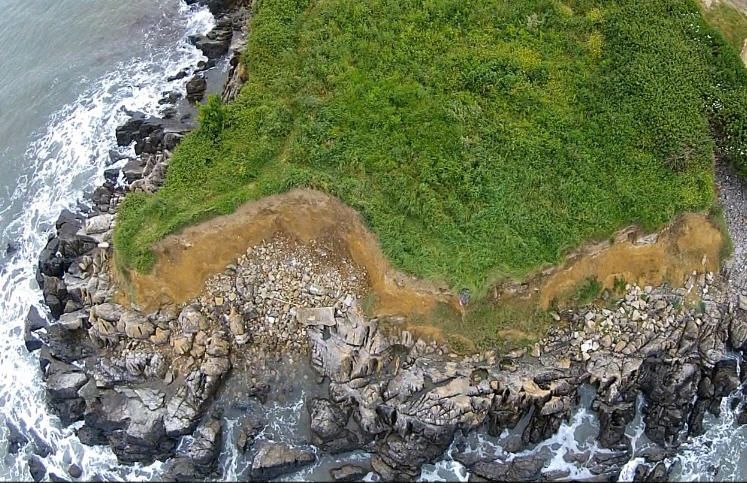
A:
x,y
67,160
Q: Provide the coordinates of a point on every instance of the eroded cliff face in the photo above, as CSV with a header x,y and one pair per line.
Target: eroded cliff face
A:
x,y
185,260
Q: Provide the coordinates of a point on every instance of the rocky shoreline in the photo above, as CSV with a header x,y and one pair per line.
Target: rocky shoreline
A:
x,y
150,385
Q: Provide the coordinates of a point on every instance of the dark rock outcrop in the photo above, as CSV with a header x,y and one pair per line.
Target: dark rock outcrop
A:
x,y
275,459
196,88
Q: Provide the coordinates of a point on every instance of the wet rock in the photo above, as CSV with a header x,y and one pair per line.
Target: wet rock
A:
x,y
274,459
348,473
524,468
179,75
65,345
669,388
654,454
613,420
16,439
196,88
41,447
725,378
65,385
35,320
216,43
400,458
37,469
251,425
75,471
197,457
32,341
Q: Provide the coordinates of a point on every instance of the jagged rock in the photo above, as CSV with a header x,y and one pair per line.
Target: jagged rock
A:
x,y
250,426
328,427
274,459
400,458
197,457
725,378
73,320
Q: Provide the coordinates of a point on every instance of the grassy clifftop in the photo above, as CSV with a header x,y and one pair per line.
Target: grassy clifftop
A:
x,y
478,138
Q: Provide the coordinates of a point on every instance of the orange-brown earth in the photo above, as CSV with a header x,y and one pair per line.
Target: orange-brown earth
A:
x,y
185,260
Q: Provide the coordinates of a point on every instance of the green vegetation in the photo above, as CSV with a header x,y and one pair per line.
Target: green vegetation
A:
x,y
488,325
716,216
479,138
729,20
587,291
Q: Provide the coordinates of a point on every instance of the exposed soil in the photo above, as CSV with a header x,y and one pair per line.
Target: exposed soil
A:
x,y
691,243
185,260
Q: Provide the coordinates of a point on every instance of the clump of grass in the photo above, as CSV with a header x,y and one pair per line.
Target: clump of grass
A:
x,y
478,138
587,291
618,285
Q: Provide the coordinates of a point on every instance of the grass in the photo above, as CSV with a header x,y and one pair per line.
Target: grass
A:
x,y
488,325
588,291
717,217
480,139
730,21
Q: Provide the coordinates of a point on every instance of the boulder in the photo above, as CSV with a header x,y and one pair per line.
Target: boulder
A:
x,y
274,459
137,326
190,320
65,385
196,88
75,470
36,468
99,224
348,473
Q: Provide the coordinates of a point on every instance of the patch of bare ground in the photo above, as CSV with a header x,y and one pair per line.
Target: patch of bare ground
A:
x,y
186,260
